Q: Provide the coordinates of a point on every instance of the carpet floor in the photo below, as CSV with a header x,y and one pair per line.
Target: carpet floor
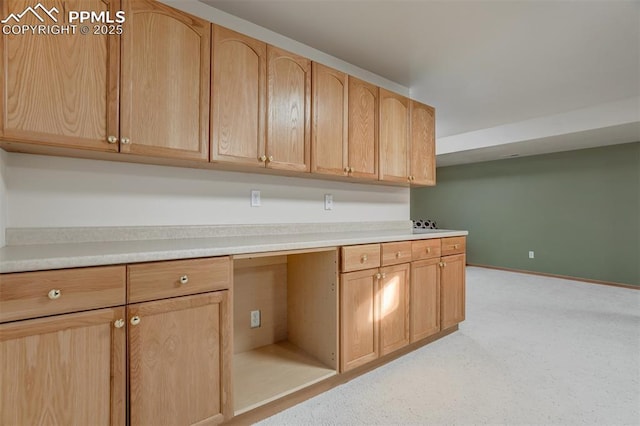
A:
x,y
533,350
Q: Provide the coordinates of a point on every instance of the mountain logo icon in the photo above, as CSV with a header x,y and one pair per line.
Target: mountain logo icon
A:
x,y
34,10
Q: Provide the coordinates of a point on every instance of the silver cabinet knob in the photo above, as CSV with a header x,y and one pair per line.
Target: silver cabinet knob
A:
x,y
55,294
112,139
184,279
118,323
125,141
135,320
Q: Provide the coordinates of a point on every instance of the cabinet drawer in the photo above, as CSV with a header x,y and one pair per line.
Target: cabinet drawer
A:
x,y
355,258
453,245
394,253
35,294
425,249
159,280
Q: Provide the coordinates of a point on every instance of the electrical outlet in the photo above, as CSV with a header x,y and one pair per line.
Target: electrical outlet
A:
x,y
328,202
255,319
531,255
255,198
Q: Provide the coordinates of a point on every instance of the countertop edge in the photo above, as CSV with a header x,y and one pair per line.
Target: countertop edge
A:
x,y
105,256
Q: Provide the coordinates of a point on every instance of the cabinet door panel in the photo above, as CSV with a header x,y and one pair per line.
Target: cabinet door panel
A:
x,y
329,121
425,298
363,129
63,370
165,82
394,137
60,90
238,98
452,282
358,318
394,308
423,146
288,105
178,358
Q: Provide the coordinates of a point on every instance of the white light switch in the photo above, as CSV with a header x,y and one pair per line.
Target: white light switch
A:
x,y
532,255
328,202
255,198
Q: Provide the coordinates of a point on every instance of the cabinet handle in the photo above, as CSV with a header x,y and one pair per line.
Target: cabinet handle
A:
x,y
184,279
456,246
135,320
378,275
384,275
397,255
428,249
364,258
125,141
55,294
112,139
346,170
118,323
270,159
441,264
262,158
350,169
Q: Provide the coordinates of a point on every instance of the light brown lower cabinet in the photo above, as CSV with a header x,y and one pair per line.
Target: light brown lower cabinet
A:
x,y
64,369
178,360
452,285
359,323
425,298
374,314
394,307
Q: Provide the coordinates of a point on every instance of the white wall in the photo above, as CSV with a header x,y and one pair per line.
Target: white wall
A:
x,y
67,192
3,197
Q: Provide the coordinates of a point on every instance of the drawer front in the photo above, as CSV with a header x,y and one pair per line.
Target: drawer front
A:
x,y
394,253
453,245
159,280
425,249
355,258
36,294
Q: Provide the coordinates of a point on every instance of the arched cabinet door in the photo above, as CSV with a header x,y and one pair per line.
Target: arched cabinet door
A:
x,y
288,110
394,137
329,143
363,129
59,90
238,98
423,149
166,57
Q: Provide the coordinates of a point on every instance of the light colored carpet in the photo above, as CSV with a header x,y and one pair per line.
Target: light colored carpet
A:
x,y
533,350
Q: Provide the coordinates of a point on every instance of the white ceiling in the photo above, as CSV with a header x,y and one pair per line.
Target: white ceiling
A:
x,y
489,67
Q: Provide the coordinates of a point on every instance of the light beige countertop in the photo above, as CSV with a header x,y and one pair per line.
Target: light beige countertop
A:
x,y
57,255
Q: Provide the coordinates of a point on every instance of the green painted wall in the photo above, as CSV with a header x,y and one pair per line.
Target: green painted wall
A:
x,y
578,210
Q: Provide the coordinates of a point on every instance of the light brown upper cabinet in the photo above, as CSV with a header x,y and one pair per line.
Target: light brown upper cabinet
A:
x,y
165,82
344,125
60,90
329,121
363,129
238,98
288,111
422,153
394,137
